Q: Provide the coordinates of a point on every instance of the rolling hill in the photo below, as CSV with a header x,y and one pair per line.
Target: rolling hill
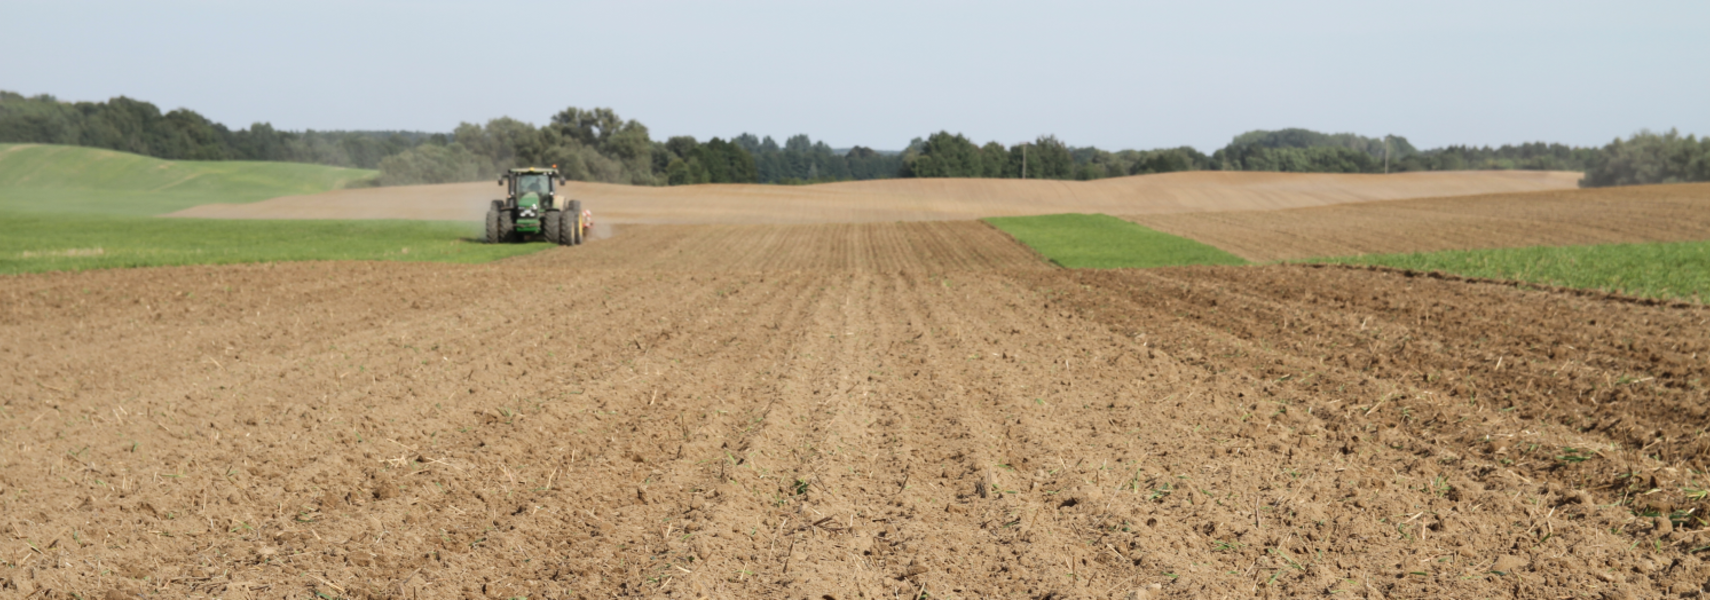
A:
x,y
42,178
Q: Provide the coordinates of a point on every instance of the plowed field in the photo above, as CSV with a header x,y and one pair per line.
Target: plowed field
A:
x,y
1648,213
871,411
905,199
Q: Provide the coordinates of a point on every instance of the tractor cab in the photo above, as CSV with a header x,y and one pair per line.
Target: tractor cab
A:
x,y
530,181
532,208
530,192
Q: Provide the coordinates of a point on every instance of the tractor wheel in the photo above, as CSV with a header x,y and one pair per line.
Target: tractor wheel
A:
x,y
493,226
575,210
553,226
507,225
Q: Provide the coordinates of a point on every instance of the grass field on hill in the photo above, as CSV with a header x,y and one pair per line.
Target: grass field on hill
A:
x,y
65,208
1079,241
1679,270
68,179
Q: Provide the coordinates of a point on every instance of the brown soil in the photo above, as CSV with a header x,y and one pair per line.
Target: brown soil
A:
x,y
858,411
1650,213
906,199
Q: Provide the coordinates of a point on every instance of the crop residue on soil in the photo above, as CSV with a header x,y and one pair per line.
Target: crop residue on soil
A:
x,y
873,411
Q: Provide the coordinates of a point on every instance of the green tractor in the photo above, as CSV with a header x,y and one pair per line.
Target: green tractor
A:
x,y
531,208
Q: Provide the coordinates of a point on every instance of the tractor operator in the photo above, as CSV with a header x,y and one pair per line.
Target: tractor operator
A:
x,y
532,183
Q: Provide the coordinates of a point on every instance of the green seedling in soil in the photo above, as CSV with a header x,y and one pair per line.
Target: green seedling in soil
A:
x,y
1574,455
1682,518
1440,486
1286,558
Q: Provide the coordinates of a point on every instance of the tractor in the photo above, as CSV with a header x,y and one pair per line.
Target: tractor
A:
x,y
531,208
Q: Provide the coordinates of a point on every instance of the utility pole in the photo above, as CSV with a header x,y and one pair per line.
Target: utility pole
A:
x,y
1024,160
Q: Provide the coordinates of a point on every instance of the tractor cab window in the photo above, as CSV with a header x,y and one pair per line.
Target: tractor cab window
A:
x,y
538,184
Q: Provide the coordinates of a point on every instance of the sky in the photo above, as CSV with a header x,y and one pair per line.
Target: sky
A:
x,y
877,73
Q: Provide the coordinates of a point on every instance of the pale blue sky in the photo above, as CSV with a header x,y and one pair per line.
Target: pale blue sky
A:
x,y
1111,74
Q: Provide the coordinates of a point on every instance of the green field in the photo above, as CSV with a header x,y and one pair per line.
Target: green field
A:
x,y
70,208
1079,241
1679,270
37,178
35,243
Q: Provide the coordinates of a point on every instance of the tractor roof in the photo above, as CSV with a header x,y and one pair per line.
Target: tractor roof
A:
x,y
534,170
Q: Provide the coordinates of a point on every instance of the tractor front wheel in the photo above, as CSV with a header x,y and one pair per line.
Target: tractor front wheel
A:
x,y
493,226
507,225
553,226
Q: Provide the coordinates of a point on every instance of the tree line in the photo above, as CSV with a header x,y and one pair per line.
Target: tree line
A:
x,y
801,160
585,145
598,145
1649,157
1644,157
139,127
944,154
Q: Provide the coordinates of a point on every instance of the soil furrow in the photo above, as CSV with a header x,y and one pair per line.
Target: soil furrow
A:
x,y
845,411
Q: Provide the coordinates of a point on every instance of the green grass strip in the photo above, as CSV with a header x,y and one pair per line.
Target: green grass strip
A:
x,y
31,243
1080,241
1675,270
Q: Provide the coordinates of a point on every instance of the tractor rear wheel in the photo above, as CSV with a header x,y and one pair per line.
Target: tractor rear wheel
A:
x,y
492,226
575,210
553,225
